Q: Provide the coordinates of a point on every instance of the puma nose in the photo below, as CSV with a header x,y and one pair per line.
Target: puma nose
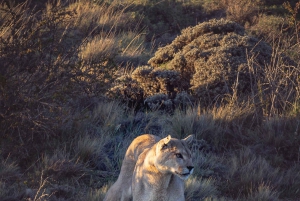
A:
x,y
190,168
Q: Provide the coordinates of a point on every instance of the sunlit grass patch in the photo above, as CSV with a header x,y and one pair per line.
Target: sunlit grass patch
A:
x,y
92,16
99,49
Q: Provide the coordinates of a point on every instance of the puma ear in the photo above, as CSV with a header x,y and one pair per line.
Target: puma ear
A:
x,y
189,139
165,141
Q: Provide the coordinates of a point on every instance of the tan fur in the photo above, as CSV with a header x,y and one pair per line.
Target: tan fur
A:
x,y
121,189
153,169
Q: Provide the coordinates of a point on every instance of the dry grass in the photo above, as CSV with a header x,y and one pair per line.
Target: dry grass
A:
x,y
105,17
62,138
250,173
99,49
241,11
198,189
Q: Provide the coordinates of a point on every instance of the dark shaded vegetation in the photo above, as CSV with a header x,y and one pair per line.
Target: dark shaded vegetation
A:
x,y
80,79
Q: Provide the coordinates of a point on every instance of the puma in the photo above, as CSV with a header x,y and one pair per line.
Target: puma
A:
x,y
153,169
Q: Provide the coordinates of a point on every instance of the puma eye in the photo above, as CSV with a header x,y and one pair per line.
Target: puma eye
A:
x,y
179,155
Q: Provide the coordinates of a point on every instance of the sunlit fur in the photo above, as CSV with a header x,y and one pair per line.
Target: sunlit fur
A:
x,y
153,169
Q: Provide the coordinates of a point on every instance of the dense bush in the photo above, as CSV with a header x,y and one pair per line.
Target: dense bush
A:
x,y
216,60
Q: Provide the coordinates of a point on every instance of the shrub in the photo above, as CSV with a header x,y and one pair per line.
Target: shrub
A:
x,y
211,57
215,62
50,64
128,91
157,80
159,101
32,73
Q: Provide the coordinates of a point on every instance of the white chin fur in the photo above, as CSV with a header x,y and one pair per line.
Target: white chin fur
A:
x,y
184,176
